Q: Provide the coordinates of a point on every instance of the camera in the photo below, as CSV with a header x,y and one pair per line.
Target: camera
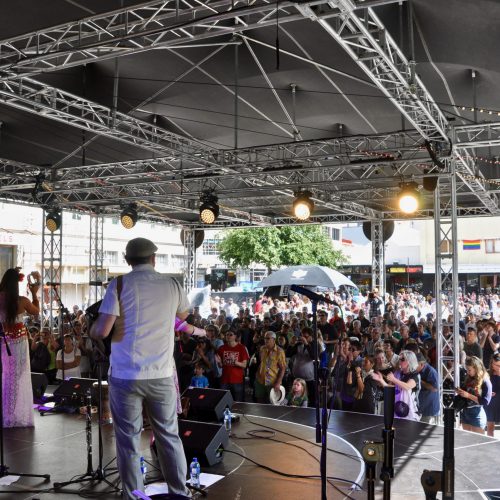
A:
x,y
459,403
33,278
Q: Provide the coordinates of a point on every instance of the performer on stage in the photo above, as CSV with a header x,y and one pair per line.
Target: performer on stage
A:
x,y
17,394
142,364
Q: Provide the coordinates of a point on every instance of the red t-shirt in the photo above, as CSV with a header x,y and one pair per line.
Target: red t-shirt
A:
x,y
232,374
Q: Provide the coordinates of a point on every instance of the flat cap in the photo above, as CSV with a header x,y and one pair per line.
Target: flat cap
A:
x,y
140,247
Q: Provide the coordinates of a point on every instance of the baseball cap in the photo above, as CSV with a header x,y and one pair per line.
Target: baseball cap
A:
x,y
140,247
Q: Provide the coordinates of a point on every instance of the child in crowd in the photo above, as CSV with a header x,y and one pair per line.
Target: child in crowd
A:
x,y
199,380
298,395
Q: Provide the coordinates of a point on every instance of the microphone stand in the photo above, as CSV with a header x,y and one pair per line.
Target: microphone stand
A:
x,y
4,469
321,421
382,451
64,311
443,480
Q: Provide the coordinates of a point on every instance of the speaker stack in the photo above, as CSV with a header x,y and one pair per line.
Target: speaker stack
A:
x,y
202,433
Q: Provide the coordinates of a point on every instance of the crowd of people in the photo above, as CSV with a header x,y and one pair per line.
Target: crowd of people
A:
x,y
265,351
364,343
255,347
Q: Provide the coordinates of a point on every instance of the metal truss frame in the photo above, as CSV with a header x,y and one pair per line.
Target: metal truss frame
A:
x,y
364,37
368,42
190,259
486,134
56,104
446,287
378,260
97,274
150,25
51,272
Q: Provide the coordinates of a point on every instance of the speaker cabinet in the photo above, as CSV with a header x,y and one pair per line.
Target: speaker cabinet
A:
x,y
203,441
207,405
39,382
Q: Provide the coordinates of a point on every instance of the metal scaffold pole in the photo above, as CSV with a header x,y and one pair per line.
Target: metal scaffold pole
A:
x,y
189,259
97,275
446,289
51,273
378,260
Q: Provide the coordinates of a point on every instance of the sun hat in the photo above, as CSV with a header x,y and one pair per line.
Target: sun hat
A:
x,y
277,397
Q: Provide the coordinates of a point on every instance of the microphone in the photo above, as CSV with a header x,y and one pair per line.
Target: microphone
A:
x,y
312,295
52,283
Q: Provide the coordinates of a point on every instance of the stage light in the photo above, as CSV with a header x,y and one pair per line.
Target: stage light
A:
x,y
53,220
303,205
129,216
209,208
408,198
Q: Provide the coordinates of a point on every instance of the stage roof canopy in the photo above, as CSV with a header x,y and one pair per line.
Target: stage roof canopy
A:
x,y
105,103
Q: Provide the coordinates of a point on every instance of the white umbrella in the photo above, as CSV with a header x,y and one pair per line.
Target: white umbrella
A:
x,y
311,275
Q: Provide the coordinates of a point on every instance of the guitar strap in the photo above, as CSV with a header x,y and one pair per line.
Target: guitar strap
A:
x,y
119,287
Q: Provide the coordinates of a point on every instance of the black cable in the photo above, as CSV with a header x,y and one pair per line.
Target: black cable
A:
x,y
349,455
287,474
254,435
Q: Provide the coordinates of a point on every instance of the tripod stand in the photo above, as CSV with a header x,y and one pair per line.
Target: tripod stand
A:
x,y
4,469
100,473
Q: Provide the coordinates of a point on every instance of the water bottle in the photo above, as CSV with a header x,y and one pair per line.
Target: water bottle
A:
x,y
194,469
144,469
227,419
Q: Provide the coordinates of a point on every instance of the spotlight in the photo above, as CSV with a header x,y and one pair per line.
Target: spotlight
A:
x,y
303,205
209,208
129,216
53,220
408,197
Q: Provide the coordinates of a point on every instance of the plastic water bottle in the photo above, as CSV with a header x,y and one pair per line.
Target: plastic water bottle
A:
x,y
227,419
144,469
194,469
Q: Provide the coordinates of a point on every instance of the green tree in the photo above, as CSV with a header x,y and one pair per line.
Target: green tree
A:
x,y
279,246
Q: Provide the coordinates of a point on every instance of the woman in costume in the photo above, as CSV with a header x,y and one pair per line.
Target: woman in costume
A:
x,y
17,394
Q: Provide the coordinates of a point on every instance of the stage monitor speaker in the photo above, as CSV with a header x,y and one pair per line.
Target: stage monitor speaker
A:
x,y
203,440
75,387
39,383
207,405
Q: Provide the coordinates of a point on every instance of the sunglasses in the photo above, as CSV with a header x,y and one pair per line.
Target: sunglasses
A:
x,y
402,359
229,334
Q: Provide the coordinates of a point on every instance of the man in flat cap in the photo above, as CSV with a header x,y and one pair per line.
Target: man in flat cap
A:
x,y
142,364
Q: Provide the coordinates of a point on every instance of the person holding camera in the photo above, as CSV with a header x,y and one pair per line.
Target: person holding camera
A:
x,y
476,394
17,393
40,355
407,382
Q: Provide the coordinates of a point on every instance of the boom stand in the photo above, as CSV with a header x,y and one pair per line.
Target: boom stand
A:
x,y
444,480
64,311
382,451
321,423
4,469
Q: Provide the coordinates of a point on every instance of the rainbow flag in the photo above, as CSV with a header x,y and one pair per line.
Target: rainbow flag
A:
x,y
472,244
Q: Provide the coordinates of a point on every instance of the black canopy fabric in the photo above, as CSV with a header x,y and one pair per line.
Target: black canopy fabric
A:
x,y
225,91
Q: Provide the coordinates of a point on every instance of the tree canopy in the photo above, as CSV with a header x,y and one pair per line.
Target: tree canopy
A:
x,y
279,246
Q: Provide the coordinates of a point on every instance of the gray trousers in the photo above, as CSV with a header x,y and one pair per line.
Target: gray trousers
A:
x,y
126,399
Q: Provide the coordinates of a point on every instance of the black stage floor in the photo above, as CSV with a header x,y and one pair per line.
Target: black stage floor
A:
x,y
57,446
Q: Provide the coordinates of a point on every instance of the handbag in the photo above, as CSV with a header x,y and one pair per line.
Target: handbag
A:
x,y
405,405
